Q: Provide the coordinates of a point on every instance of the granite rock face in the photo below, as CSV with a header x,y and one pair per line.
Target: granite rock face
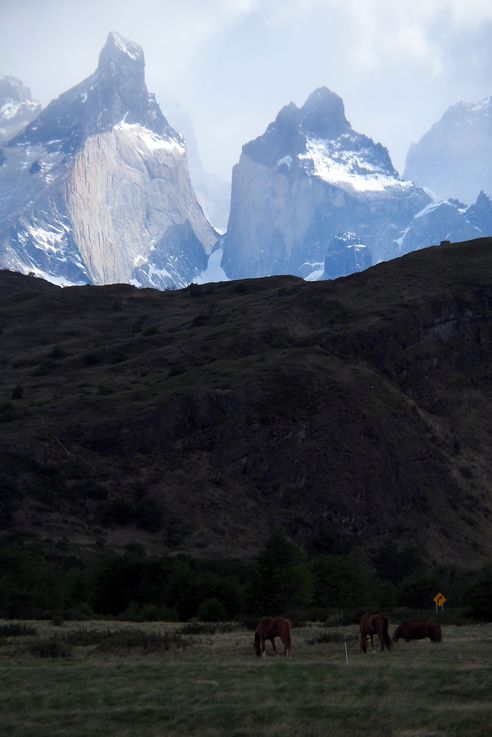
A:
x,y
308,178
346,255
96,188
454,157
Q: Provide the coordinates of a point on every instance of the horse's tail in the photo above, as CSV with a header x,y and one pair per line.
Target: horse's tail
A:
x,y
386,637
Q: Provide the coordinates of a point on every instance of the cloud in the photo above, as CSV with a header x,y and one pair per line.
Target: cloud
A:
x,y
233,63
379,32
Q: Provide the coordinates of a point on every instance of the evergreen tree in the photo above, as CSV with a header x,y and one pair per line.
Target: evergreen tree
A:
x,y
282,583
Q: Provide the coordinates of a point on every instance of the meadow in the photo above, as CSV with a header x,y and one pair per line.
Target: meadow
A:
x,y
173,680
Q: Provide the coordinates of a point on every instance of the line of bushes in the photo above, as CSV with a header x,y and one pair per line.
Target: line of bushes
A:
x,y
282,579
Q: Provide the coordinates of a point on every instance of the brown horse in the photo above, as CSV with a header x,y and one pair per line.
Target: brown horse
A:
x,y
268,629
418,631
374,623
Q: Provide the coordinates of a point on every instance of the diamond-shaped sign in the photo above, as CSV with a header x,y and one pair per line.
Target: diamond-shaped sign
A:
x,y
440,599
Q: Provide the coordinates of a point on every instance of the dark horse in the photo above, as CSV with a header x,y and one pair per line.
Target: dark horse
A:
x,y
268,629
374,623
418,631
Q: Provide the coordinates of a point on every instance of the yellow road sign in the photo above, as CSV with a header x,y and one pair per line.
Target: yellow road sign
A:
x,y
440,599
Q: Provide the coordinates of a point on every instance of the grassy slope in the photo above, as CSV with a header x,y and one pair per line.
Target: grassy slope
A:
x,y
352,412
218,688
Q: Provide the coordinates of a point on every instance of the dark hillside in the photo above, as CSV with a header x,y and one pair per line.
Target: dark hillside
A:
x,y
353,413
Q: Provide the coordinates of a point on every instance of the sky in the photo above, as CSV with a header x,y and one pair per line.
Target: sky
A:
x,y
232,64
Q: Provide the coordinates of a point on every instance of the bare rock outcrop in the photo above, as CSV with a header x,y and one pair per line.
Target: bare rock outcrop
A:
x,y
97,188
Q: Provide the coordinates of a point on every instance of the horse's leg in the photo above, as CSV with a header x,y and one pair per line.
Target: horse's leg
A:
x,y
381,640
263,653
272,640
372,642
287,647
286,643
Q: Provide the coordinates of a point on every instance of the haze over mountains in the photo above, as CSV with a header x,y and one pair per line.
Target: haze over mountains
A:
x,y
454,158
97,189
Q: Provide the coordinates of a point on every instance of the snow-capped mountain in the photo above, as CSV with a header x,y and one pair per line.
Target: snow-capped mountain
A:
x,y
96,188
454,157
17,108
308,178
448,220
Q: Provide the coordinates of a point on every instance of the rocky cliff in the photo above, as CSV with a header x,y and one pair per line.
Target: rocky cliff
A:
x,y
96,189
308,178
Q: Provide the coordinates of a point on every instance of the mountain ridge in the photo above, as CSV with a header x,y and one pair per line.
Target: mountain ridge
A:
x,y
352,413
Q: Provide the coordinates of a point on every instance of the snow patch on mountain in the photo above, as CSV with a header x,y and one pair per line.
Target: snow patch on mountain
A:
x,y
152,141
336,164
130,48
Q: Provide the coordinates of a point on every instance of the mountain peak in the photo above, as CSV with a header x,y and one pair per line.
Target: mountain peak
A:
x,y
118,51
323,114
17,108
116,91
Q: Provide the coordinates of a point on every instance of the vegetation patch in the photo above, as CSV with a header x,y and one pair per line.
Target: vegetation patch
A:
x,y
17,630
209,628
85,637
127,642
326,637
50,648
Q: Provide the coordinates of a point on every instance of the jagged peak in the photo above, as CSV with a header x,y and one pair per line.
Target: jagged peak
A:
x,y
287,111
14,88
322,141
116,91
323,114
121,58
324,101
117,46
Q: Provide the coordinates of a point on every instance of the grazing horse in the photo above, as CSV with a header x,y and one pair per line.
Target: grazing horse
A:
x,y
418,631
268,629
374,623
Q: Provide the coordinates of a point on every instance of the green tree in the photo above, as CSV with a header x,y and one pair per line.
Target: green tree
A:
x,y
29,584
418,591
282,582
343,582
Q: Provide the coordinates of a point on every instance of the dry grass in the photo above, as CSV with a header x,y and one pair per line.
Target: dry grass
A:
x,y
217,688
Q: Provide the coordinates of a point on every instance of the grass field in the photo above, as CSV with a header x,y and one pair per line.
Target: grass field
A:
x,y
118,679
